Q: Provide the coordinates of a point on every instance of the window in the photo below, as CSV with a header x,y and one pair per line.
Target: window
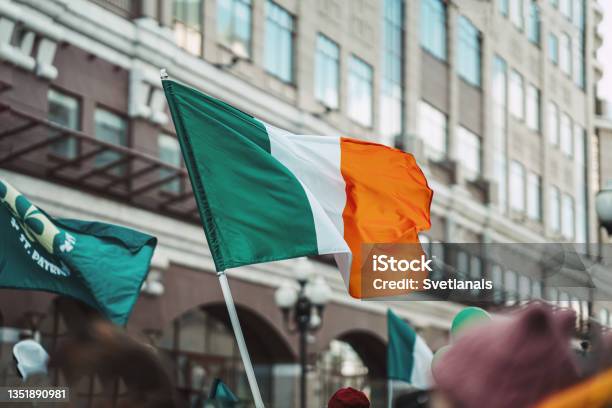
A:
x,y
565,54
533,30
499,137
360,91
463,264
327,71
433,27
567,217
566,8
517,106
524,287
581,174
517,186
497,279
475,272
553,124
552,294
555,209
536,289
188,25
170,153
517,14
534,196
468,151
110,128
392,84
234,24
511,285
533,108
468,54
433,131
567,141
279,42
64,110
503,7
553,49
579,13
579,67
604,317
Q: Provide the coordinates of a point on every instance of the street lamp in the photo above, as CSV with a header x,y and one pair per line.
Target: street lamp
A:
x,y
304,308
603,206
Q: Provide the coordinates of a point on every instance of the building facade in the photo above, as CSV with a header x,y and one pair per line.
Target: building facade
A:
x,y
494,98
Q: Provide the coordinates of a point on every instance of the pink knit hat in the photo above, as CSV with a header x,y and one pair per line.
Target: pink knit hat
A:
x,y
512,363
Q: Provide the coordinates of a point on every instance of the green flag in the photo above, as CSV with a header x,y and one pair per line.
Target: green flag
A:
x,y
221,395
100,264
408,357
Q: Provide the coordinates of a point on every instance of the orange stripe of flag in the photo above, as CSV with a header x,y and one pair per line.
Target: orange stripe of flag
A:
x,y
387,199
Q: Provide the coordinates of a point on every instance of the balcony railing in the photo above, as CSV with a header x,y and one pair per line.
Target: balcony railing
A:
x,y
28,145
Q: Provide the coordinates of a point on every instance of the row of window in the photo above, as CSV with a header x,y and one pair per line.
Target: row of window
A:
x,y
524,101
526,198
234,25
508,286
434,132
562,131
516,11
109,127
433,39
573,10
525,104
570,59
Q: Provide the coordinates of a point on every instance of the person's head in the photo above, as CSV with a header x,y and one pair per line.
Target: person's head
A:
x,y
510,363
348,398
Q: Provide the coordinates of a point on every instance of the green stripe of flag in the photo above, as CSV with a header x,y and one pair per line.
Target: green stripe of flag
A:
x,y
253,208
400,350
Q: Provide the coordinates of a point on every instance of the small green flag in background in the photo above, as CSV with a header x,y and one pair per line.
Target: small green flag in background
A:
x,y
100,264
408,357
221,395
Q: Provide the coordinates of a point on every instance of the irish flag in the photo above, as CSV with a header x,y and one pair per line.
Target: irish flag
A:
x,y
265,194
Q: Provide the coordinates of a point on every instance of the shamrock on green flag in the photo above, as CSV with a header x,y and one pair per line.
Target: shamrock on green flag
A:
x,y
100,264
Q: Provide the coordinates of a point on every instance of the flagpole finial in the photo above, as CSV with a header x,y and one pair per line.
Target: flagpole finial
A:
x,y
163,74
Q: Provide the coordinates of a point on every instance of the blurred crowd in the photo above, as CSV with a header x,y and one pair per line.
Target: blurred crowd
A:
x,y
528,358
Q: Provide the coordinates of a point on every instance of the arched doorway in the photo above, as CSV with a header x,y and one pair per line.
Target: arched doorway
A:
x,y
354,359
200,347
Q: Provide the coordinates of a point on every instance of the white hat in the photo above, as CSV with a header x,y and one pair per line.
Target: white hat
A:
x,y
31,358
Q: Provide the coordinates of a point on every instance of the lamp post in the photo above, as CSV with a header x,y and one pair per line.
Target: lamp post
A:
x,y
302,309
603,206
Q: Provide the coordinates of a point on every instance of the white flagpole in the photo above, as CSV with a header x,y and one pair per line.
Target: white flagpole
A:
x,y
233,315
244,353
389,393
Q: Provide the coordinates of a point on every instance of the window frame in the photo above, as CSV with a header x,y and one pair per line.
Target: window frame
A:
x,y
321,53
518,181
515,86
439,10
350,76
267,21
533,107
188,29
79,122
469,46
233,18
534,179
